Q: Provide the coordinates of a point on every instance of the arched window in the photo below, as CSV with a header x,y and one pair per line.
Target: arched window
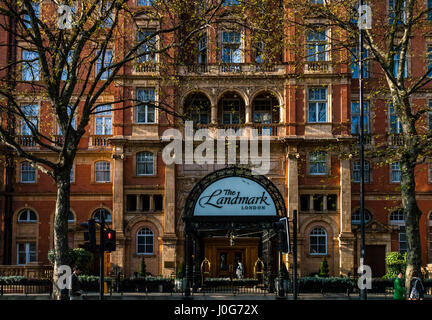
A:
x,y
144,164
71,217
103,171
397,217
197,107
27,216
318,241
145,238
356,217
98,214
28,173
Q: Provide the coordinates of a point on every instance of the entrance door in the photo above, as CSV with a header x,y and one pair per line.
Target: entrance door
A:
x,y
375,258
227,262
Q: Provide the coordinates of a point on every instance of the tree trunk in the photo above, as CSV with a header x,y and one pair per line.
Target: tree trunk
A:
x,y
61,248
412,218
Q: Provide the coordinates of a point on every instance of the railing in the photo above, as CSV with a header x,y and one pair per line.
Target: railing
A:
x,y
26,141
396,140
100,141
26,288
264,68
146,67
29,272
197,68
264,129
230,67
318,67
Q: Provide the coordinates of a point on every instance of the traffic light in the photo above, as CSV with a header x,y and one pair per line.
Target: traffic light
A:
x,y
109,240
283,228
90,235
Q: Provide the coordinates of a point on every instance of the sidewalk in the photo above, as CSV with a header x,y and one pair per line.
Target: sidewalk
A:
x,y
199,296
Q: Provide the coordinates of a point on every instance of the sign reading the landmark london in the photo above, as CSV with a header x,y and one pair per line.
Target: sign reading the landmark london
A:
x,y
235,196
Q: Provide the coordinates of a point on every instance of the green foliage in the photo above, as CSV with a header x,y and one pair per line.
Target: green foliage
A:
x,y
395,262
324,268
181,271
77,256
142,272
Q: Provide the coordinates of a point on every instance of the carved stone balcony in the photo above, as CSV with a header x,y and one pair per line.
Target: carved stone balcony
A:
x,y
100,141
314,67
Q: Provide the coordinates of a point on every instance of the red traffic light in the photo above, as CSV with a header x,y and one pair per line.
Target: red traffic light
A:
x,y
109,235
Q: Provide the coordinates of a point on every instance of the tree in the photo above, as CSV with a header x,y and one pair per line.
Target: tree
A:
x,y
388,43
324,268
142,272
72,68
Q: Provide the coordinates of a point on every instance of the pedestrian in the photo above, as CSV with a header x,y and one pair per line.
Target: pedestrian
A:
x,y
399,291
75,293
416,288
239,271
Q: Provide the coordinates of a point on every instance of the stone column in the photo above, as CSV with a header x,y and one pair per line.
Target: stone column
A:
x,y
169,238
118,257
248,114
213,114
346,238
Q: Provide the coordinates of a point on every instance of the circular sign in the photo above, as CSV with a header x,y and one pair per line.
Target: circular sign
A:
x,y
235,196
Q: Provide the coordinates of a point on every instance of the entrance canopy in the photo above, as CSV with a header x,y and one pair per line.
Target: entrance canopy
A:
x,y
234,193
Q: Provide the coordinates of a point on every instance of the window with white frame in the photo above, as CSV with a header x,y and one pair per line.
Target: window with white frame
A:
x,y
355,68
30,65
144,164
317,104
31,113
103,171
230,111
145,241
395,172
69,112
67,71
145,110
26,252
28,173
103,120
147,49
27,215
395,124
231,47
402,240
202,49
109,19
356,217
105,60
99,213
357,171
355,117
317,46
396,60
318,241
318,163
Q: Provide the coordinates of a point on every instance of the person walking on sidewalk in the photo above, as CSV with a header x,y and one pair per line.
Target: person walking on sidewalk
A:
x,y
399,291
416,288
76,286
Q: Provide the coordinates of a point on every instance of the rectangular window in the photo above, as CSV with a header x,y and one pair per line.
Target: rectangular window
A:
x,y
231,111
317,1
304,202
202,49
355,117
148,47
146,112
395,172
355,68
395,124
231,47
31,114
429,6
402,240
396,59
392,11
318,202
229,3
26,252
429,58
30,66
103,171
331,202
103,118
104,62
109,20
318,163
67,71
145,202
259,56
69,111
317,105
158,202
145,2
131,202
357,171
28,173
317,46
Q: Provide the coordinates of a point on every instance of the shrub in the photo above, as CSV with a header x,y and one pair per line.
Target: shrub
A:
x,y
181,271
395,262
324,268
77,256
142,272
